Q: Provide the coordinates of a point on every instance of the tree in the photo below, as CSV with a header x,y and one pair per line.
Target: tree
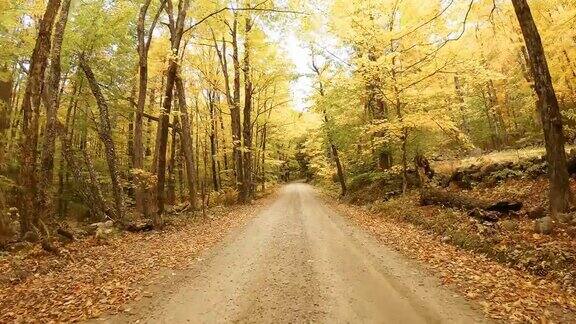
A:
x,y
105,133
52,103
333,148
186,141
233,100
71,111
236,123
176,26
560,194
28,180
247,114
143,40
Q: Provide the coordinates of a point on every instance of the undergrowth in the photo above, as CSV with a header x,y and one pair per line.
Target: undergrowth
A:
x,y
510,241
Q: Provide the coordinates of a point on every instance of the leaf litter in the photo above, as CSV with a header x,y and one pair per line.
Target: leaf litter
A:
x,y
91,277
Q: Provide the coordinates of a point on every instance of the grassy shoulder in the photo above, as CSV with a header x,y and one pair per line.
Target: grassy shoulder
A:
x,y
517,175
511,241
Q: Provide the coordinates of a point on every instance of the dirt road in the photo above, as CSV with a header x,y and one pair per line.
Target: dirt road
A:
x,y
298,261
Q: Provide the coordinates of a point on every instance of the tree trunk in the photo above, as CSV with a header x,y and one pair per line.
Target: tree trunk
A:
x,y
560,195
162,142
205,194
247,122
339,169
143,47
235,119
186,142
64,166
148,148
461,104
224,146
491,124
213,141
176,27
154,166
404,139
336,156
497,113
197,141
94,198
256,158
405,133
130,140
234,114
5,112
263,165
424,170
181,192
105,133
333,148
90,192
30,121
171,185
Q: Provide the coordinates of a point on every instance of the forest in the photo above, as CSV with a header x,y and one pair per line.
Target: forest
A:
x,y
125,120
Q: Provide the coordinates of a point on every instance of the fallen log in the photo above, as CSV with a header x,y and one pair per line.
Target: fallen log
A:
x,y
432,196
504,206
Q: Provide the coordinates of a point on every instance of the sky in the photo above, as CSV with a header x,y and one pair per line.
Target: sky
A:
x,y
302,87
298,51
300,55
